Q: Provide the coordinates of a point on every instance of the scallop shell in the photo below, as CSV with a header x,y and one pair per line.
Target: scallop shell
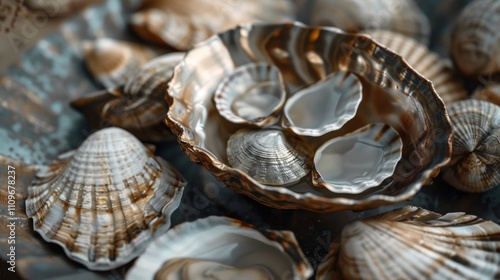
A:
x,y
270,156
104,202
414,243
219,247
440,71
403,17
139,105
253,94
335,100
490,93
359,160
475,162
475,41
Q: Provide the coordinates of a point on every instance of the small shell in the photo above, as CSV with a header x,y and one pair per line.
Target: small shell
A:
x,y
57,8
219,247
448,86
490,93
105,201
414,243
475,41
329,104
359,160
253,94
270,156
475,160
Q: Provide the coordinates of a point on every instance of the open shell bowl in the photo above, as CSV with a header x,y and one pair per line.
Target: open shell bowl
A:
x,y
393,93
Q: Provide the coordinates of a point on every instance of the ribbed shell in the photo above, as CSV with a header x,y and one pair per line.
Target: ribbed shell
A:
x,y
490,93
270,156
475,42
105,201
475,161
414,243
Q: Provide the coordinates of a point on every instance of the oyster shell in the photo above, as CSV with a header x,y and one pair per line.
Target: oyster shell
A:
x,y
335,100
253,94
270,156
490,93
138,106
105,201
475,40
475,161
359,160
414,243
221,246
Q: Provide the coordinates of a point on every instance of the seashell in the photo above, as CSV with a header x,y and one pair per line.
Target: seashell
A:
x,y
438,70
359,160
253,94
222,248
139,105
475,39
104,202
335,100
414,243
270,156
403,17
490,93
57,8
183,23
111,62
475,161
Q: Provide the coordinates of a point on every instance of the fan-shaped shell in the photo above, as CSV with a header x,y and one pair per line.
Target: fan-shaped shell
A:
x,y
475,161
490,93
270,156
414,243
359,160
105,201
219,247
253,94
475,41
324,106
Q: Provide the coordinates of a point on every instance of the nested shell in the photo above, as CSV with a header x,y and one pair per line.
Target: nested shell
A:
x,y
475,161
414,243
359,160
138,106
475,41
402,17
253,94
270,156
104,202
220,247
438,70
324,106
490,93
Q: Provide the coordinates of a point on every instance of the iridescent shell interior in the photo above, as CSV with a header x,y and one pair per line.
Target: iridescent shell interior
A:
x,y
393,93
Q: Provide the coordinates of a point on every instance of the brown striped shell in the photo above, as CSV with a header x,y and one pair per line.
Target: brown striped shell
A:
x,y
490,93
104,202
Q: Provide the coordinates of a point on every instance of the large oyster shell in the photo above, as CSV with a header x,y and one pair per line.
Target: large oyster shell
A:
x,y
105,201
414,243
218,246
393,93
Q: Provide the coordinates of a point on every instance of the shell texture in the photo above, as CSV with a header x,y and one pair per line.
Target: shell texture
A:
x,y
270,156
104,202
414,243
490,93
438,70
253,94
475,162
222,248
359,160
403,17
329,103
475,41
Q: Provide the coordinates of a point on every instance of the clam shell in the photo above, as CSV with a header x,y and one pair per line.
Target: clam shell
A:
x,y
475,161
217,246
414,243
253,94
359,160
270,156
490,93
335,100
104,202
475,41
438,70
